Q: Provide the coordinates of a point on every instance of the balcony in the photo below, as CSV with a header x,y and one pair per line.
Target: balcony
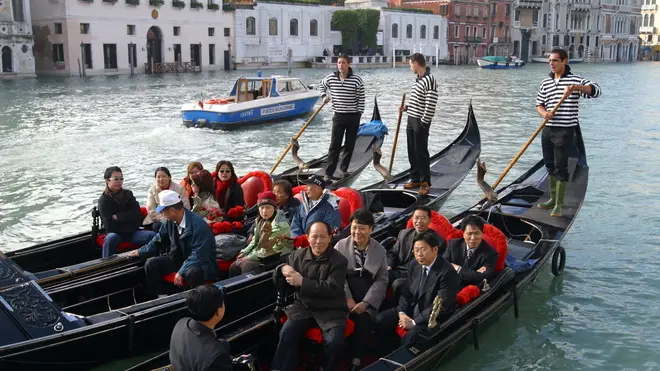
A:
x,y
580,6
529,4
473,40
649,29
649,7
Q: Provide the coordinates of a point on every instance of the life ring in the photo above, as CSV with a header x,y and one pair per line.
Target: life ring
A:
x,y
217,101
558,261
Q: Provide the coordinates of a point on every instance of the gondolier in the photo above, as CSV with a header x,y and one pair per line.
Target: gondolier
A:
x,y
420,108
346,91
559,132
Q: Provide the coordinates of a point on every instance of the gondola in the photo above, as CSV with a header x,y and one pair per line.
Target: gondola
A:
x,y
532,239
112,308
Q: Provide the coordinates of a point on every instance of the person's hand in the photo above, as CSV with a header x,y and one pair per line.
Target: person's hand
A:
x,y
288,270
401,109
178,280
481,270
240,256
114,217
359,308
570,89
456,266
294,279
134,253
326,99
548,116
350,303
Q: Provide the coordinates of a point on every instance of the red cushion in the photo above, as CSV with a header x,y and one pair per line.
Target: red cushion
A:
x,y
170,278
300,242
401,331
262,177
344,211
122,247
297,189
497,240
439,223
314,333
350,201
144,211
224,265
467,294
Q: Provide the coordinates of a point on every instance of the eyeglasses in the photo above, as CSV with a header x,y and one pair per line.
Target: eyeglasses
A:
x,y
554,60
224,171
116,178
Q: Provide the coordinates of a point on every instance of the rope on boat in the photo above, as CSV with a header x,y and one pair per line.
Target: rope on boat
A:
x,y
401,365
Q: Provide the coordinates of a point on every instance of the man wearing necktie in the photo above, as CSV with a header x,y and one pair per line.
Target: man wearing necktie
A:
x,y
472,258
429,276
190,247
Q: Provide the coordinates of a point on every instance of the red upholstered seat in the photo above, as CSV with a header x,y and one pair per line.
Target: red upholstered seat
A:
x,y
251,188
170,278
350,200
497,240
439,223
223,265
314,333
297,189
122,247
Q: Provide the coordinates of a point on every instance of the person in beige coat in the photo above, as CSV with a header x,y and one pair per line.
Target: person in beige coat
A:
x,y
163,182
366,278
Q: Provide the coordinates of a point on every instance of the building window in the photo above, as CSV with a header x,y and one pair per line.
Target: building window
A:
x,y
132,55
58,53
443,10
313,27
177,53
130,29
58,28
535,18
493,9
456,32
507,10
422,32
293,27
110,56
543,40
483,33
484,12
474,32
272,27
227,31
467,32
596,40
457,10
468,11
516,16
87,56
211,31
176,30
195,54
84,28
211,54
409,31
436,32
250,28
395,31
545,20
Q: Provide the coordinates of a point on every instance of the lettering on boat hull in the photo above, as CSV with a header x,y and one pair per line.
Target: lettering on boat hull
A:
x,y
278,109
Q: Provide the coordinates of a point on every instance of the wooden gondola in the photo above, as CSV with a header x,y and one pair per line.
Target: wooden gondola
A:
x,y
113,309
532,237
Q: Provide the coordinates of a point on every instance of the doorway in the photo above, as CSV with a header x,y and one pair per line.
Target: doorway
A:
x,y
154,45
7,65
195,50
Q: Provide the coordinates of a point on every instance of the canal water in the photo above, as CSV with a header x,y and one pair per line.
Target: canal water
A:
x,y
58,135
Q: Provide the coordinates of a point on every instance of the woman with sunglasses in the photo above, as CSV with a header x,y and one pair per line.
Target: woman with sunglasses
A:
x,y
163,182
204,201
228,191
120,214
193,168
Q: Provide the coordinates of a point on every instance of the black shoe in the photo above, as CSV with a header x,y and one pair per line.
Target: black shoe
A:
x,y
344,174
327,180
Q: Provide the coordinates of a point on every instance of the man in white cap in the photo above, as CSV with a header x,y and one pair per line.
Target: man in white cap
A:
x,y
190,247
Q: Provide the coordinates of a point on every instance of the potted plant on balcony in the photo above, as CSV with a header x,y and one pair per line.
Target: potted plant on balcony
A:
x,y
178,4
133,2
86,1
110,1
196,5
156,2
213,6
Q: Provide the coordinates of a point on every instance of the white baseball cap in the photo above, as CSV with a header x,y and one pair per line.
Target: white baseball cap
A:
x,y
167,198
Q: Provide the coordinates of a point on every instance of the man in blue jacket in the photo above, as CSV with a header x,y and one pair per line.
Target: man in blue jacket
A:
x,y
318,204
190,243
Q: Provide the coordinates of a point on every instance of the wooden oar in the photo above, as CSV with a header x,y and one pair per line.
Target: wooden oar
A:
x,y
288,147
529,141
396,135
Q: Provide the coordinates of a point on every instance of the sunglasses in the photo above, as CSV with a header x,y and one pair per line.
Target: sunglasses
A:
x,y
119,179
224,171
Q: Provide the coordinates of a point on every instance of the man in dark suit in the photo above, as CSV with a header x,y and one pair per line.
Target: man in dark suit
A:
x,y
402,252
193,345
429,276
318,274
472,258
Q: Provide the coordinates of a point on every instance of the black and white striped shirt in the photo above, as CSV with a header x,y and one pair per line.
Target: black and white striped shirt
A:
x,y
346,96
551,91
424,98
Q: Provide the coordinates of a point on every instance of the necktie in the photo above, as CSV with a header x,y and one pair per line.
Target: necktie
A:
x,y
468,255
422,281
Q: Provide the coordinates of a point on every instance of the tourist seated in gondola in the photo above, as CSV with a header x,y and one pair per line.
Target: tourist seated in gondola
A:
x,y
203,199
228,191
193,345
429,275
366,279
286,203
318,274
191,246
120,214
193,168
163,182
270,239
317,204
401,254
472,258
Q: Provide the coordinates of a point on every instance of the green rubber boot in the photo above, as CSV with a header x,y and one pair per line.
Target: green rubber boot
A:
x,y
553,189
561,190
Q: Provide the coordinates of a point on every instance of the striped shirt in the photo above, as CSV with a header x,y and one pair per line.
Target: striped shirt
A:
x,y
424,98
551,91
347,96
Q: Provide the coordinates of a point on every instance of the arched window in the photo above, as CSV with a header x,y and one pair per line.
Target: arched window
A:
x,y
395,31
313,27
293,27
652,20
250,28
436,32
422,32
272,27
409,31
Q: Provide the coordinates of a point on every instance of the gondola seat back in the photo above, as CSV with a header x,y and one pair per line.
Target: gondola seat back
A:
x,y
493,237
123,246
315,334
170,278
440,224
254,183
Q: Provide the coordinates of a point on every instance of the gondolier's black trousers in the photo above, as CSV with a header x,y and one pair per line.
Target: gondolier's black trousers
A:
x,y
418,150
156,268
557,144
342,123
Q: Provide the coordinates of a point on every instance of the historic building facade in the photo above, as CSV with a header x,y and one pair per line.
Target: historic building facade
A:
x,y
75,37
16,41
619,40
649,31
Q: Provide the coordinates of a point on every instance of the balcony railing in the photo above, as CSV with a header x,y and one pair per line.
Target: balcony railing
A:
x,y
473,40
649,6
533,4
647,30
